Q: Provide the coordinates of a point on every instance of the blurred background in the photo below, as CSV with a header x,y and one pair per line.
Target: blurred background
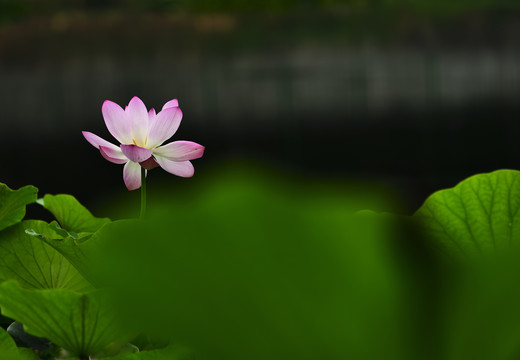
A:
x,y
409,95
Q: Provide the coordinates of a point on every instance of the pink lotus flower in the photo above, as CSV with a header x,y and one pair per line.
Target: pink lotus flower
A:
x,y
141,134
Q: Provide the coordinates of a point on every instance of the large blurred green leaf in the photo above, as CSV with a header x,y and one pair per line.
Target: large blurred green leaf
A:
x,y
81,323
71,215
249,269
9,351
171,352
480,214
34,263
13,202
480,313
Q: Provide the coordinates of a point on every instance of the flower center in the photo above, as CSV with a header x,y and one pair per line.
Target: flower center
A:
x,y
136,144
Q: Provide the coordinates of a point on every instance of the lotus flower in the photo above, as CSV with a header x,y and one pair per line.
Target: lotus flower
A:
x,y
141,134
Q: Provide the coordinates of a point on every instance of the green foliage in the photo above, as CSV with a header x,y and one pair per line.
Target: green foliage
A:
x,y
71,215
479,215
171,352
76,225
251,268
480,312
9,351
80,323
477,222
72,250
13,202
74,247
34,263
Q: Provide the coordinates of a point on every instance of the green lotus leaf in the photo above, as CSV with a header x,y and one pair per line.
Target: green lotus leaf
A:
x,y
171,352
71,215
479,215
74,247
13,202
9,350
83,324
34,263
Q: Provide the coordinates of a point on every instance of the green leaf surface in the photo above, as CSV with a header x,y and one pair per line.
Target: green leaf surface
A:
x,y
13,202
481,316
71,215
73,248
9,350
479,215
171,352
247,272
80,323
7,345
32,262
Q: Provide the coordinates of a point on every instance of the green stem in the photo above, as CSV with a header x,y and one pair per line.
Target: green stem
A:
x,y
143,192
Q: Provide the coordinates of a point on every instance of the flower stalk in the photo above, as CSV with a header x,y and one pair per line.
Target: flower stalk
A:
x,y
143,192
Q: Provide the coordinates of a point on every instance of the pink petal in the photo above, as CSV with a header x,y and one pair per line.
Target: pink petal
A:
x,y
136,153
171,103
132,175
117,122
165,125
151,119
180,150
149,164
138,116
151,115
96,141
179,168
114,156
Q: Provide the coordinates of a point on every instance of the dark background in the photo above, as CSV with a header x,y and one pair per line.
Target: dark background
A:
x,y
412,95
